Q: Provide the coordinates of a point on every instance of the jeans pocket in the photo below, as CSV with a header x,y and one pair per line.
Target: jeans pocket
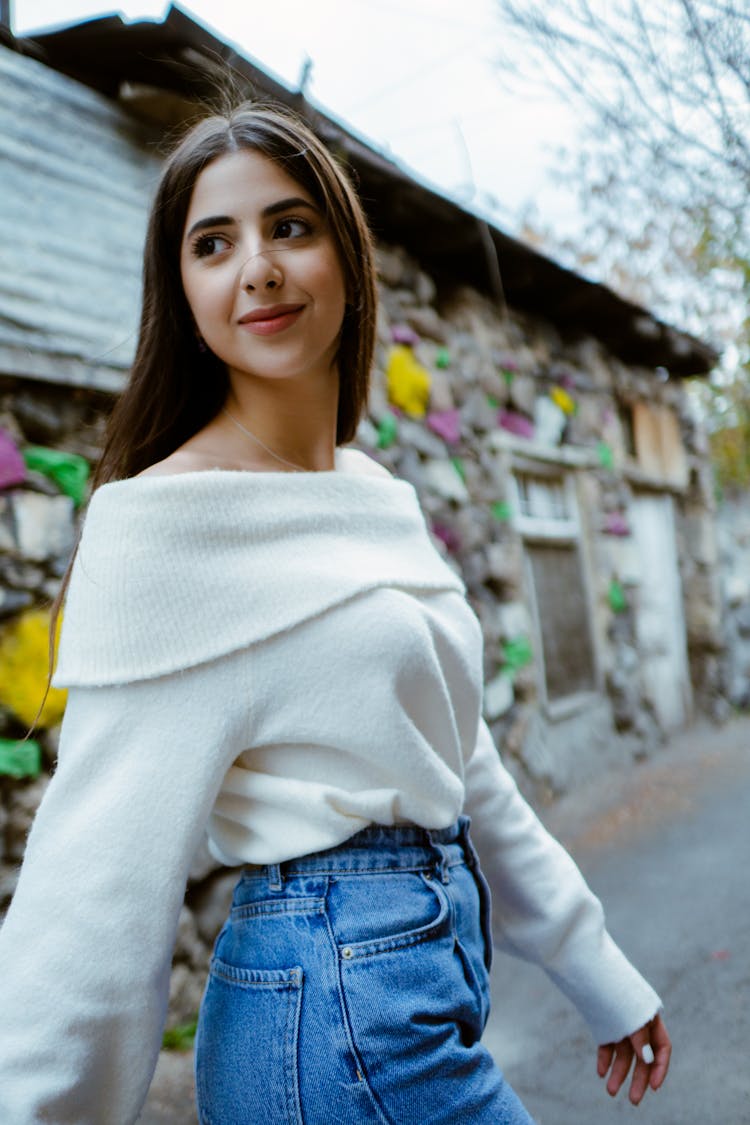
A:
x,y
246,1059
383,913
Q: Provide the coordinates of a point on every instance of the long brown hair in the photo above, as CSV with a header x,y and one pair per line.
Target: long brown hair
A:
x,y
175,388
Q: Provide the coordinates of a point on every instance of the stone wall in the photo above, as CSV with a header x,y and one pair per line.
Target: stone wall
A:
x,y
734,548
466,401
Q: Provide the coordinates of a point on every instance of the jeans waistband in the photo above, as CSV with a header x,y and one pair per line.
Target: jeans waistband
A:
x,y
382,848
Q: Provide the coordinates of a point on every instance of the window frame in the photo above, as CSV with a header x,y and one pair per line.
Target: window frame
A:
x,y
563,532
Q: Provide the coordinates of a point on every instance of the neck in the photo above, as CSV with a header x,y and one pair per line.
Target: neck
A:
x,y
292,425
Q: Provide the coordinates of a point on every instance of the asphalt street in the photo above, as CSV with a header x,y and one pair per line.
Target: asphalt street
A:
x,y
666,845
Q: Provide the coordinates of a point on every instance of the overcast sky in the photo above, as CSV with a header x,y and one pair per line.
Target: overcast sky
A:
x,y
417,78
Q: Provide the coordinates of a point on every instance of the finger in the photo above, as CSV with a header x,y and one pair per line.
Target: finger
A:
x,y
639,1084
604,1058
621,1066
662,1046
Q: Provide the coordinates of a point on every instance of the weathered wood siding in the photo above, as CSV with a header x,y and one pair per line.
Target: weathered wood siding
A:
x,y
76,178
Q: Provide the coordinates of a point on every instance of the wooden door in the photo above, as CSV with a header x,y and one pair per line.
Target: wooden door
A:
x,y
661,635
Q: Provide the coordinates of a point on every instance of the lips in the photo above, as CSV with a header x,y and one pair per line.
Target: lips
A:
x,y
270,319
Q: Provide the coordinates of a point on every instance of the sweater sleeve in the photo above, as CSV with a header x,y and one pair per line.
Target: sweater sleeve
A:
x,y
85,950
543,910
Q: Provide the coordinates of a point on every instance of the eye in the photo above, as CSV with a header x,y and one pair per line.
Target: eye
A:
x,y
292,228
206,245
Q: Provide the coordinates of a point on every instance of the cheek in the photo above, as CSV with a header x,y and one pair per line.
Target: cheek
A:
x,y
331,283
203,295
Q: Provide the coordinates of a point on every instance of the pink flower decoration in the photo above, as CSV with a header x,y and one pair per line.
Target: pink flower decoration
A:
x,y
446,424
515,423
403,334
447,536
615,523
12,464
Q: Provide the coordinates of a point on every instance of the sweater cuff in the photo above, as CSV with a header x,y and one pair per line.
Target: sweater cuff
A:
x,y
610,993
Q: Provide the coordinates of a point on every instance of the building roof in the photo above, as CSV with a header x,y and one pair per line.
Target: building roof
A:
x,y
160,67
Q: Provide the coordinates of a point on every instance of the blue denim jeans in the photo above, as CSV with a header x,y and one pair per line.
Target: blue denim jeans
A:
x,y
351,987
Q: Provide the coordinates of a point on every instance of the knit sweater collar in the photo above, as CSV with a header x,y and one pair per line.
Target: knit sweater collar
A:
x,y
173,571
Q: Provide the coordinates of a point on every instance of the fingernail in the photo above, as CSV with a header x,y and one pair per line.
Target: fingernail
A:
x,y
647,1054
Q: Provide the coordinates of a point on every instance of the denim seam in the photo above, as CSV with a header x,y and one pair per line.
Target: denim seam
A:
x,y
359,1065
309,905
291,1051
253,978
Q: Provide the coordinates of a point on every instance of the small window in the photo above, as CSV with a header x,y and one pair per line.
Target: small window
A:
x,y
542,498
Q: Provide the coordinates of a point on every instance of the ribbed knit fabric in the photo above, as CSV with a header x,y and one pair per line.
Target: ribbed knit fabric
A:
x,y
282,659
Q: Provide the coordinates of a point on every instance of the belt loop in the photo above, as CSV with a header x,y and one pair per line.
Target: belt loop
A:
x,y
441,865
274,877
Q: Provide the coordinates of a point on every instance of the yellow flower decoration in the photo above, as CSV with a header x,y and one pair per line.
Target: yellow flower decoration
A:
x,y
409,382
561,398
24,656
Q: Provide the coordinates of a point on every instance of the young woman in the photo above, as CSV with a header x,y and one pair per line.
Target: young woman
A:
x,y
260,639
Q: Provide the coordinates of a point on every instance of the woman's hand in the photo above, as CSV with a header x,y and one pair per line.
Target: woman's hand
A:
x,y
650,1046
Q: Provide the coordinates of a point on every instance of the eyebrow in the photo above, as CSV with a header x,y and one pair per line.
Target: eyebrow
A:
x,y
272,209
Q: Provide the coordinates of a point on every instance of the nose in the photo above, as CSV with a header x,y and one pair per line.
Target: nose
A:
x,y
261,271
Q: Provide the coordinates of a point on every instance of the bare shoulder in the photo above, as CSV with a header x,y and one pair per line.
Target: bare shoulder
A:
x,y
362,463
181,461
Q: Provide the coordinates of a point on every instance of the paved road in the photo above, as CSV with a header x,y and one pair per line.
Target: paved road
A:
x,y
666,845
667,848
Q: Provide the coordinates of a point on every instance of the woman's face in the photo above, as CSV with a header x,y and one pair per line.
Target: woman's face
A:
x,y
261,271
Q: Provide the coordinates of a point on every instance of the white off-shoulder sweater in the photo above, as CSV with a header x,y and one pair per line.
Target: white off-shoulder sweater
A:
x,y
280,659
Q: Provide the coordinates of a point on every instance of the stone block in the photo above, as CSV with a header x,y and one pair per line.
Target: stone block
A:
x,y
189,947
390,265
418,436
211,901
514,620
185,992
441,392
427,324
13,601
441,477
523,393
470,524
24,800
701,540
477,413
498,697
505,563
424,287
44,526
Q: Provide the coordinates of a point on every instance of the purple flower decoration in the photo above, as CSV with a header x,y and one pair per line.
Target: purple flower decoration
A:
x,y
515,423
615,523
447,536
403,334
446,424
12,464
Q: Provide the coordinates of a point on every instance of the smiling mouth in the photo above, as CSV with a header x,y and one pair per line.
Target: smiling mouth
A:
x,y
275,318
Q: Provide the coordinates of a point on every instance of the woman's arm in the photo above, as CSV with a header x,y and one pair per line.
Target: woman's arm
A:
x,y
543,910
86,947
